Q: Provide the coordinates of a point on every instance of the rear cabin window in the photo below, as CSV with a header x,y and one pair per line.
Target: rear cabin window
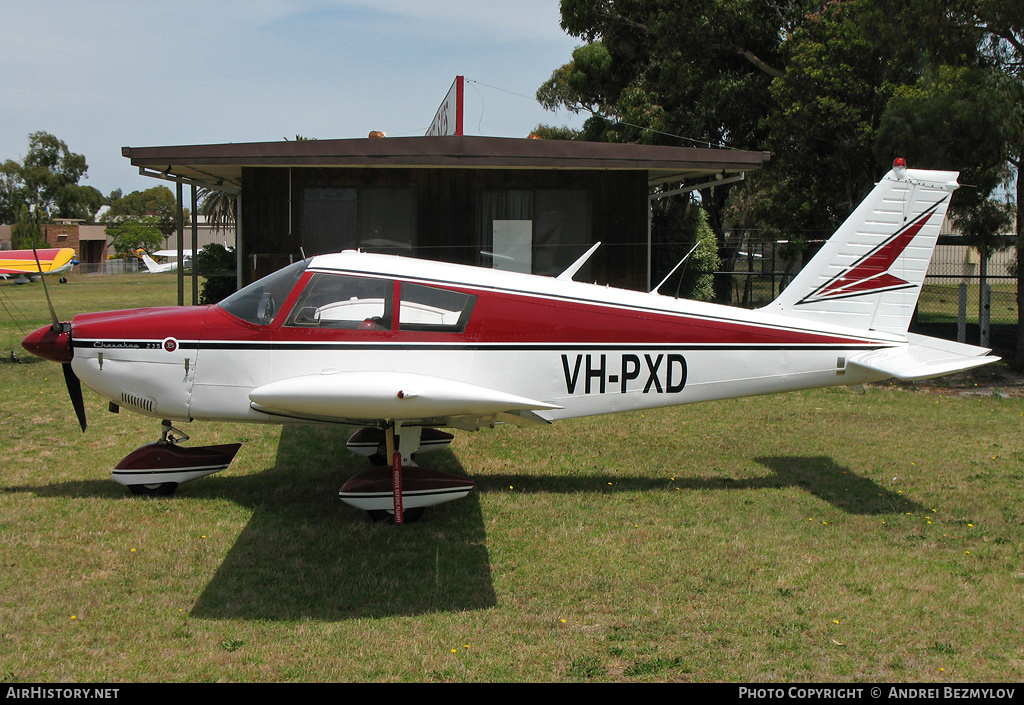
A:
x,y
340,301
427,308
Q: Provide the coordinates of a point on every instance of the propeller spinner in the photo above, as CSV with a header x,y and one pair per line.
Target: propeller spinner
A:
x,y
53,342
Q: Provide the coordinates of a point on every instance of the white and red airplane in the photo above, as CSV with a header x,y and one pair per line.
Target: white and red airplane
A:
x,y
405,347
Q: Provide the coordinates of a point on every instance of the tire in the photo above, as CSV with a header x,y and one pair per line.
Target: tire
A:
x,y
160,489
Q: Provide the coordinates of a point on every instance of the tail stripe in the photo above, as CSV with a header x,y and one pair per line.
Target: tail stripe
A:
x,y
870,274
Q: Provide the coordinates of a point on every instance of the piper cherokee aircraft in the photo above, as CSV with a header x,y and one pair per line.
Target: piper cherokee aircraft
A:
x,y
404,348
26,263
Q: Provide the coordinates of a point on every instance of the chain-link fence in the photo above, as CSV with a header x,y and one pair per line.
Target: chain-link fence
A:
x,y
111,266
760,270
960,302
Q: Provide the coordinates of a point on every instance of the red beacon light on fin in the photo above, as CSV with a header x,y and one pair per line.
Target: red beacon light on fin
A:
x,y
899,165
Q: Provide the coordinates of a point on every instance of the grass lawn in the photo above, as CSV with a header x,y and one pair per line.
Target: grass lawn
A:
x,y
836,535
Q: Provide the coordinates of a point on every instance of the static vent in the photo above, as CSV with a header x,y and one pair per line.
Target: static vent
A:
x,y
138,401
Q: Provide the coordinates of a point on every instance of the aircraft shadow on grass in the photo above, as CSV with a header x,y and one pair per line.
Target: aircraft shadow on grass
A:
x,y
818,475
304,555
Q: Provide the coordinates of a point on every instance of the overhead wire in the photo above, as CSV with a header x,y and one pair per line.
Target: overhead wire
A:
x,y
610,118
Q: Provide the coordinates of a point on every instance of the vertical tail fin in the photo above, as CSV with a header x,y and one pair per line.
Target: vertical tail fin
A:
x,y
870,272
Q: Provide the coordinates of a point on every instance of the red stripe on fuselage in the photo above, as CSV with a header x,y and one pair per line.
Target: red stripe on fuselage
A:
x,y
499,317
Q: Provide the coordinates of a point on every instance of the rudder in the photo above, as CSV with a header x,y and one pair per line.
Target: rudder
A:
x,y
869,274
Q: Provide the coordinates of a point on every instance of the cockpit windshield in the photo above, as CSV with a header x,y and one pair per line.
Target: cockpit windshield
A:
x,y
259,302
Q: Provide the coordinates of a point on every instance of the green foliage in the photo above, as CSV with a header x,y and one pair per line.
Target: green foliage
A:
x,y
697,70
155,206
11,192
217,264
693,74
821,124
972,134
835,90
556,132
678,224
131,235
47,181
219,207
27,231
984,226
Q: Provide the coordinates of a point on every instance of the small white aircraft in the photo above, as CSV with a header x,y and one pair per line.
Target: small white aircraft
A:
x,y
405,347
170,266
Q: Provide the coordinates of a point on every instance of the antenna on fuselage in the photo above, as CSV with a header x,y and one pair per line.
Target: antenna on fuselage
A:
x,y
571,270
685,257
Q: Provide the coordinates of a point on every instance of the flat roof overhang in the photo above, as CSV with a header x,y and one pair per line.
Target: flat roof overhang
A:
x,y
220,165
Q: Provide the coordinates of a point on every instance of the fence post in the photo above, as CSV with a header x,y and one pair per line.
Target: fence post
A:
x,y
984,313
961,316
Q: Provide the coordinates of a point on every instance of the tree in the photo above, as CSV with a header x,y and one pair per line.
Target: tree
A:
x,y
219,207
994,32
51,173
11,192
217,264
682,234
695,73
27,231
821,122
47,180
955,115
130,235
155,207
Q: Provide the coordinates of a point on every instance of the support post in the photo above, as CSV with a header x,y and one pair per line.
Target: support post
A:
x,y
984,314
180,226
195,251
961,315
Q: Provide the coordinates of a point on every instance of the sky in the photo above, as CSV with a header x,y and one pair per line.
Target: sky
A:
x,y
108,74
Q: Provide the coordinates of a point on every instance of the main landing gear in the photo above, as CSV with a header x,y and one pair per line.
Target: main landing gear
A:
x,y
398,493
156,469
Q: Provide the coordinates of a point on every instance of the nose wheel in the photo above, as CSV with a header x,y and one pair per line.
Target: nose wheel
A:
x,y
154,489
156,469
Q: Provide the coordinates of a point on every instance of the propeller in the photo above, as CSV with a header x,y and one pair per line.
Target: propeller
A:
x,y
59,352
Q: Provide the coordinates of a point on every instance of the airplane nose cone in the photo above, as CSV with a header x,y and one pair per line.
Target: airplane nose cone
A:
x,y
50,345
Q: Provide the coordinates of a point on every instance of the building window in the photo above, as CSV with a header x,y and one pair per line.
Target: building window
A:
x,y
368,219
539,231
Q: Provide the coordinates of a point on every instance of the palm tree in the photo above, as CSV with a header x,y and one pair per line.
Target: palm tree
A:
x,y
219,207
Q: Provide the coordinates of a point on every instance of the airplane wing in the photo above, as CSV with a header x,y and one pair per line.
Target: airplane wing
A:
x,y
361,396
24,261
924,358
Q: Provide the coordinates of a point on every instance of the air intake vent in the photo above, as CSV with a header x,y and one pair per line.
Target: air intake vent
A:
x,y
138,401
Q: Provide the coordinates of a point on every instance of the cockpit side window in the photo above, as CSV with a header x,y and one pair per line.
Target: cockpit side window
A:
x,y
427,308
346,302
259,302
